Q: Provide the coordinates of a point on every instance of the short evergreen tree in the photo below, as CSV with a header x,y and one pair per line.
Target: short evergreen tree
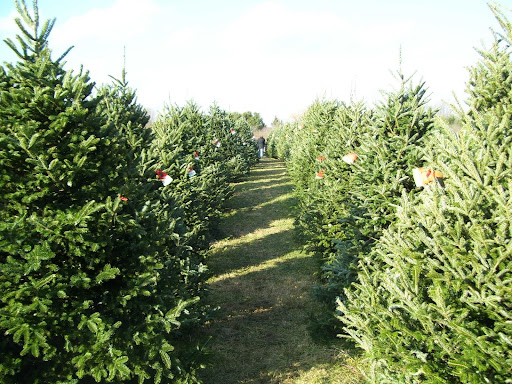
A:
x,y
279,141
433,300
183,144
328,208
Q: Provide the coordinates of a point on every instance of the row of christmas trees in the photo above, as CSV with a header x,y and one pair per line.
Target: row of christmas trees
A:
x,y
104,222
413,220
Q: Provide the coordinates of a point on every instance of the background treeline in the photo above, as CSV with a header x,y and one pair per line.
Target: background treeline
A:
x,y
104,222
416,272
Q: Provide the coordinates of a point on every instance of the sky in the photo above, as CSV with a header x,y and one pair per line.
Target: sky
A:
x,y
273,57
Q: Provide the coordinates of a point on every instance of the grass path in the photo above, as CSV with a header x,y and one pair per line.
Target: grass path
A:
x,y
261,282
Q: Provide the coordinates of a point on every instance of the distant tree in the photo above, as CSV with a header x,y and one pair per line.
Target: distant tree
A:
x,y
253,118
276,122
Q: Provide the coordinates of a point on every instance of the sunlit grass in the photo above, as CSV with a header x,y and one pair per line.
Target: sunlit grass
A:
x,y
272,263
280,198
275,226
261,187
257,183
262,280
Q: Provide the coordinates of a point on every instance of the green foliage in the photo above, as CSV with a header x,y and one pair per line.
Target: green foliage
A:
x,y
438,280
185,140
279,141
343,213
388,153
276,122
328,131
421,275
254,119
491,78
102,266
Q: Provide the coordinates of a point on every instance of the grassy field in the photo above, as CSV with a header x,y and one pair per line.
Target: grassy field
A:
x,y
262,281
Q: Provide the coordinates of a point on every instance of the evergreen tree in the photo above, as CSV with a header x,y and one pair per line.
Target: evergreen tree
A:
x,y
433,300
382,173
281,140
432,303
220,126
491,78
181,136
94,277
254,119
158,250
311,136
323,202
324,215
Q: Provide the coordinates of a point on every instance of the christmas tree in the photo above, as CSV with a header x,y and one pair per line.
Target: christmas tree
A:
x,y
94,275
433,300
388,152
184,148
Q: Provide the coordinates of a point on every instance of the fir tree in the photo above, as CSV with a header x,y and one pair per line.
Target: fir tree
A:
x,y
382,173
94,277
433,300
179,133
326,226
163,271
491,78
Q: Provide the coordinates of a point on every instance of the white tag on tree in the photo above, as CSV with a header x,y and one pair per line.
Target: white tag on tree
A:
x,y
349,158
191,172
424,176
166,179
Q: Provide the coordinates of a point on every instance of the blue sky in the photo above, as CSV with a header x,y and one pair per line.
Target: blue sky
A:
x,y
274,57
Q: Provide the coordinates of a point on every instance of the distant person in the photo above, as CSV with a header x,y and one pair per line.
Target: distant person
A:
x,y
261,146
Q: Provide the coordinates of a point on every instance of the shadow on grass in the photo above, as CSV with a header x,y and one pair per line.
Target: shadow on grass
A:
x,y
244,221
268,171
241,255
261,280
262,192
271,184
252,185
261,329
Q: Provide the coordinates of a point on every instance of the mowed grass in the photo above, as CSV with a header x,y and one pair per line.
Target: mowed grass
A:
x,y
262,283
